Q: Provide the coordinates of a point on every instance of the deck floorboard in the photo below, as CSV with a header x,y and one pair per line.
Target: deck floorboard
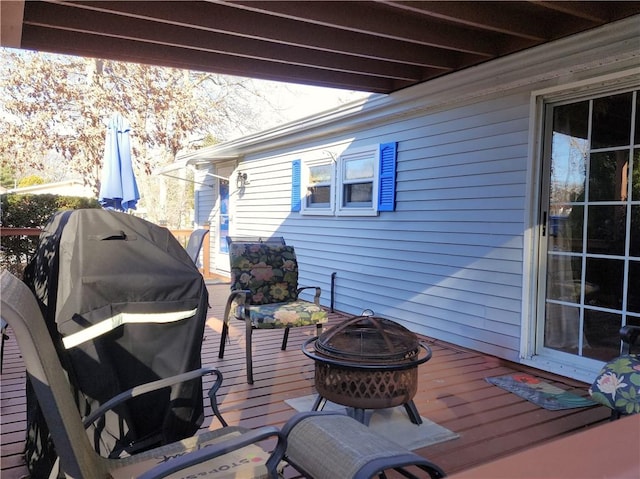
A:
x,y
452,392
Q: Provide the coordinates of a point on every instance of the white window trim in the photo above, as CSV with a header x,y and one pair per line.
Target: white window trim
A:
x,y
371,151
318,210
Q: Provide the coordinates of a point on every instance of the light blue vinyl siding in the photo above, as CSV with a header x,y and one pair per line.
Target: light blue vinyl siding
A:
x,y
448,261
205,196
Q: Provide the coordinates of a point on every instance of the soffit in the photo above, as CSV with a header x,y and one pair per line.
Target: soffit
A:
x,y
373,46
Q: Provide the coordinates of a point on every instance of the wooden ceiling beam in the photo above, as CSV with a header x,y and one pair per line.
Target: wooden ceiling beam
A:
x,y
112,26
376,45
119,49
483,16
595,12
376,20
217,18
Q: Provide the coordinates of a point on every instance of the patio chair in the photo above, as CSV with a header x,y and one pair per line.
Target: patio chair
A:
x,y
194,244
194,456
617,386
265,293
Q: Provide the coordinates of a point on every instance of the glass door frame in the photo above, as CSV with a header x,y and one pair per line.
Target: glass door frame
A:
x,y
534,270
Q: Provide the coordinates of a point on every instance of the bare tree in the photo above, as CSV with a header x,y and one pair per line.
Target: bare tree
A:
x,y
55,110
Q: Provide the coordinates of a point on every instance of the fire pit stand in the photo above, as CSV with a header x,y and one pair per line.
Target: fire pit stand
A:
x,y
367,363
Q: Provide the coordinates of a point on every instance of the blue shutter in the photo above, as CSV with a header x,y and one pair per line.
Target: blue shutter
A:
x,y
296,181
387,178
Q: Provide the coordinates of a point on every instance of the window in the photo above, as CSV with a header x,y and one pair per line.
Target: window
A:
x,y
360,183
358,173
318,192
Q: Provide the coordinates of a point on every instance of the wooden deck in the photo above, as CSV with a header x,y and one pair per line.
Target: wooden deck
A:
x,y
452,392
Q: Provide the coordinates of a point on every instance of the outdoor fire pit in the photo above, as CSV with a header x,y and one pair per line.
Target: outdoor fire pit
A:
x,y
367,363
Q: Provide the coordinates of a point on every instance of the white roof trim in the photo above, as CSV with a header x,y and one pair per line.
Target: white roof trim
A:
x,y
171,167
187,160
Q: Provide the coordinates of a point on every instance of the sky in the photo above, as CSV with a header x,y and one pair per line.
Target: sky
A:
x,y
300,101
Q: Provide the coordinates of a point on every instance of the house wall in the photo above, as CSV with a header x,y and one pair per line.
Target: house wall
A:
x,y
453,260
448,262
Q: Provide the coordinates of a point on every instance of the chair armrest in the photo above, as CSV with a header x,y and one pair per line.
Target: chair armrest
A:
x,y
316,297
629,334
156,385
219,449
240,295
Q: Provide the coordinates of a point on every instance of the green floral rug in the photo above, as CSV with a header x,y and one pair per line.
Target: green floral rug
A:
x,y
540,392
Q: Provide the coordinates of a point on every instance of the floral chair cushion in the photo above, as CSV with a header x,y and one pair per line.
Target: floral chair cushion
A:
x,y
281,315
618,385
270,272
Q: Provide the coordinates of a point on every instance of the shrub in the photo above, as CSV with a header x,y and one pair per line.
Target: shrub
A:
x,y
31,211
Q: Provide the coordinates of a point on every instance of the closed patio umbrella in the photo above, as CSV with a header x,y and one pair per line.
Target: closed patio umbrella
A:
x,y
118,188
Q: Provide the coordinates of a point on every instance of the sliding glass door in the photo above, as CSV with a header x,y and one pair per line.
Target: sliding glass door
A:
x,y
590,256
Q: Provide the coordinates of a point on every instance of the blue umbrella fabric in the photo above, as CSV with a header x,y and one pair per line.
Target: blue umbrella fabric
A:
x,y
118,188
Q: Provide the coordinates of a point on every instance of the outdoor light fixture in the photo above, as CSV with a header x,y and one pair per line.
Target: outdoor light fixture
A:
x,y
241,180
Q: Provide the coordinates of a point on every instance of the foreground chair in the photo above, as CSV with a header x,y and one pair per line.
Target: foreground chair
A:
x,y
617,386
193,456
265,293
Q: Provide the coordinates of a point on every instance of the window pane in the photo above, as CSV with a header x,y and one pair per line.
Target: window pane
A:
x,y
601,330
320,174
565,231
611,124
358,193
605,279
358,169
563,278
562,327
634,236
318,196
635,182
637,135
570,147
633,295
608,176
606,227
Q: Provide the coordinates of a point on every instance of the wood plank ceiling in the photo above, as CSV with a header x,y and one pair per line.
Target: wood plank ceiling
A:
x,y
374,46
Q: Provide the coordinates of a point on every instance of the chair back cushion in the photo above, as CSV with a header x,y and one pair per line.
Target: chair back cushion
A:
x,y
618,385
269,271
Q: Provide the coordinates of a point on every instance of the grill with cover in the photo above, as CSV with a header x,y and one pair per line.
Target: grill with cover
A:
x,y
125,305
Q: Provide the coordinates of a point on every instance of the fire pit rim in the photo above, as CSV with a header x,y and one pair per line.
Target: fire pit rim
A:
x,y
399,365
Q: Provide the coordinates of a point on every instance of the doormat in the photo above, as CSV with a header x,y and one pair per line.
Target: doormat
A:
x,y
393,423
540,392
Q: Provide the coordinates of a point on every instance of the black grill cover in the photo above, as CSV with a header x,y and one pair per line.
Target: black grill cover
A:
x,y
125,305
